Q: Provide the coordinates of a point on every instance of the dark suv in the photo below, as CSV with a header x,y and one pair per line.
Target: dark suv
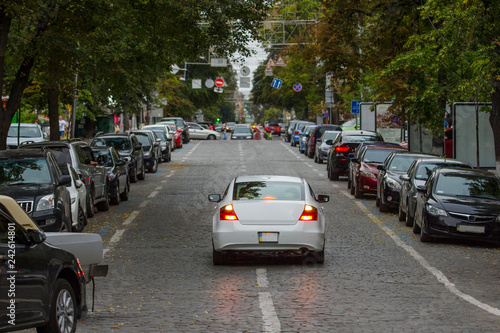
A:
x,y
129,148
33,178
151,148
316,134
345,144
79,154
181,125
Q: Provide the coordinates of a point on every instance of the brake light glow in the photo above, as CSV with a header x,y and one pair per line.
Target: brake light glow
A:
x,y
297,132
268,198
227,213
310,213
313,138
342,149
81,272
267,128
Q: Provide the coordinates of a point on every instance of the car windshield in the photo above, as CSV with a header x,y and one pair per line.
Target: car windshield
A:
x,y
468,185
160,135
144,139
424,170
401,163
62,154
103,157
24,172
268,191
26,132
376,155
300,127
360,138
242,130
119,144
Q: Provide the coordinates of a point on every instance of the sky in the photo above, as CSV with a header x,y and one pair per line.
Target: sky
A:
x,y
251,62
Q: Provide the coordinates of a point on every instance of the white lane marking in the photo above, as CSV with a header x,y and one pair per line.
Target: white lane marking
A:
x,y
158,188
270,320
144,203
153,194
132,216
116,237
421,260
167,176
262,278
164,181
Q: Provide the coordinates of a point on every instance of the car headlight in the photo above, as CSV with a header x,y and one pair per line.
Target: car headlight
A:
x,y
436,211
367,174
393,184
45,203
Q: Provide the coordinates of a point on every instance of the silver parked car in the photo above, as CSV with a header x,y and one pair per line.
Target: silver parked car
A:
x,y
198,132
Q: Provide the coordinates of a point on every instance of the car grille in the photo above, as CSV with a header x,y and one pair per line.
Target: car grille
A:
x,y
472,218
26,205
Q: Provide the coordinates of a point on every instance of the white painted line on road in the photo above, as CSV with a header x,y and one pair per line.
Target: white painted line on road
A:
x,y
144,203
153,194
158,188
116,238
421,260
164,181
262,278
132,216
270,320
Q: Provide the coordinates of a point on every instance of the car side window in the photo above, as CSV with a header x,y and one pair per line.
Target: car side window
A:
x,y
89,153
82,157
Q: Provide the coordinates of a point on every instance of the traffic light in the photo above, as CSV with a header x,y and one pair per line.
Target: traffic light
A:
x,y
218,119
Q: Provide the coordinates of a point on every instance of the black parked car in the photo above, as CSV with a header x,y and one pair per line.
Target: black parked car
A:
x,y
129,148
316,134
117,172
417,174
49,282
79,155
459,203
345,144
151,148
388,181
33,178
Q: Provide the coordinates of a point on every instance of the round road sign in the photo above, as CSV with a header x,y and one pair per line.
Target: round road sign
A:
x,y
297,87
209,83
219,82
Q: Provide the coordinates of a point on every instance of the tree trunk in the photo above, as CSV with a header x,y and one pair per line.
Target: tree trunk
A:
x,y
495,121
53,98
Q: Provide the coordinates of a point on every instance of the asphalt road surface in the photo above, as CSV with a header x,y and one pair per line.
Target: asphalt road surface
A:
x,y
377,276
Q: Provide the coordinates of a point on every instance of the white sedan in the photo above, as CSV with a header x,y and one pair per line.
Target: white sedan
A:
x,y
268,214
78,194
200,133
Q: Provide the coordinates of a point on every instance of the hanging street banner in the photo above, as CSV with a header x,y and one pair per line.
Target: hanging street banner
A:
x,y
297,87
280,62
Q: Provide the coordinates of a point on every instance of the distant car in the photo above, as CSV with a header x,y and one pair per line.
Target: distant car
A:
x,y
290,129
33,178
282,127
268,214
298,130
273,127
79,154
28,133
166,144
388,181
129,148
230,126
78,195
117,173
151,148
304,137
323,144
316,134
182,126
417,174
242,133
459,203
365,174
345,144
200,133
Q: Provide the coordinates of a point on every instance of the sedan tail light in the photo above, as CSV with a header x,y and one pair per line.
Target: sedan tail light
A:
x,y
227,213
297,132
313,138
342,149
310,213
267,128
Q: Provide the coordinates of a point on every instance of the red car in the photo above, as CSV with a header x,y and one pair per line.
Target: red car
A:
x,y
177,136
365,172
273,128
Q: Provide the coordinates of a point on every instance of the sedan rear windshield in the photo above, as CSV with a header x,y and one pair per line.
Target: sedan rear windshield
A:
x,y
242,130
468,185
376,155
24,172
119,144
425,169
26,132
268,191
360,138
401,163
62,154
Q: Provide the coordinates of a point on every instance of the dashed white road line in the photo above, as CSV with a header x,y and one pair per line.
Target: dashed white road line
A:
x,y
132,216
262,278
270,320
116,238
153,194
421,260
144,203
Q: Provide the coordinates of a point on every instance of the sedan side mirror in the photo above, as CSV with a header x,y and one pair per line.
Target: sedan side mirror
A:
x,y
214,197
36,236
422,188
323,198
78,183
380,167
65,180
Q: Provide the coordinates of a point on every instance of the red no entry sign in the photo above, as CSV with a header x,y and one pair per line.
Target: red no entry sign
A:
x,y
219,82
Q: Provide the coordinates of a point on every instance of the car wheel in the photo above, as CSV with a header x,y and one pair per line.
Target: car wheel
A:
x,y
124,194
155,166
142,175
384,208
116,199
81,221
424,237
401,214
315,158
319,257
67,224
330,173
63,313
377,201
357,193
415,228
169,157
103,206
349,183
90,205
211,137
409,219
133,175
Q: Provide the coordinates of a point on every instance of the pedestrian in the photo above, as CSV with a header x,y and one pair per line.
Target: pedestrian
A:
x,y
63,126
225,130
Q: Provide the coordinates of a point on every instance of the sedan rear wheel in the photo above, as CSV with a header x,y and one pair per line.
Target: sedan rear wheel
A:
x,y
90,205
357,193
415,228
211,137
81,221
154,168
124,194
63,312
116,199
409,220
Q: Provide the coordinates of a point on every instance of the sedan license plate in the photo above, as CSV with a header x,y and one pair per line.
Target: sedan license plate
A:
x,y
470,228
268,237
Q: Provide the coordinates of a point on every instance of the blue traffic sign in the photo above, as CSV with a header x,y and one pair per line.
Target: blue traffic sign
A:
x,y
277,83
355,106
297,87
